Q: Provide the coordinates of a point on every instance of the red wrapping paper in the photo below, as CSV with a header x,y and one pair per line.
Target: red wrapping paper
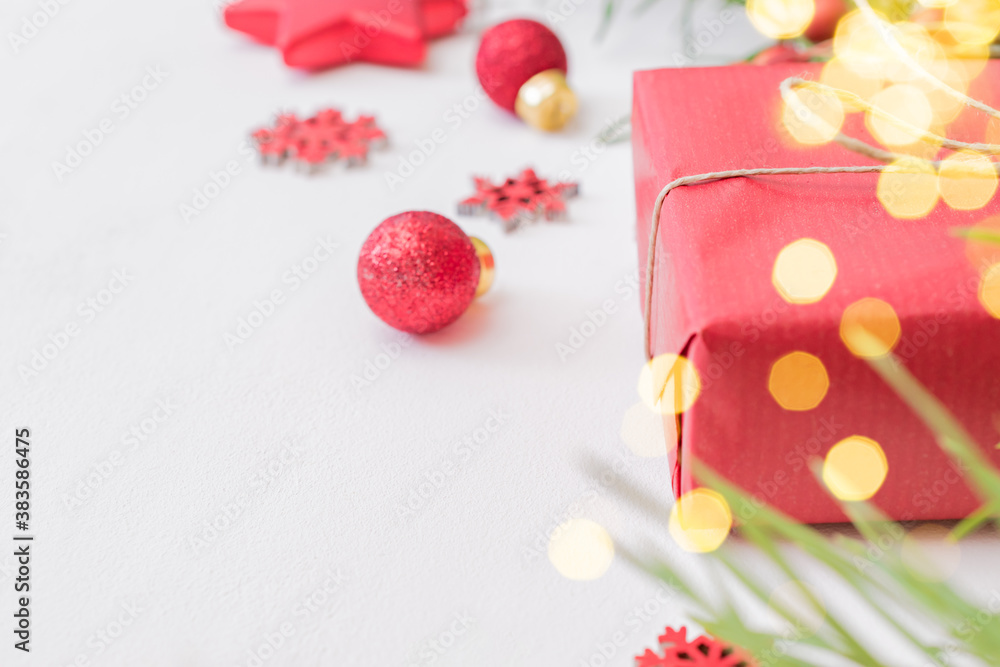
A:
x,y
713,299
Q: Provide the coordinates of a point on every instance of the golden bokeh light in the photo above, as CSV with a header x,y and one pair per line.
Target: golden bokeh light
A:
x,y
968,59
917,42
945,106
855,468
989,290
905,102
781,19
929,552
967,181
908,188
973,21
804,271
812,116
700,521
837,74
648,434
581,549
869,328
798,381
669,384
804,603
859,45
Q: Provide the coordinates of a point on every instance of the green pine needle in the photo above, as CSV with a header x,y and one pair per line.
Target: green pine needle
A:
x,y
885,584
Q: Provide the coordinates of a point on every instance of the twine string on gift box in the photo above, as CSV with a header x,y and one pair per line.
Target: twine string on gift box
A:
x,y
889,159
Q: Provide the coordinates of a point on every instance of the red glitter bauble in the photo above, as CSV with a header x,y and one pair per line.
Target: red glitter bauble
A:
x,y
511,53
418,271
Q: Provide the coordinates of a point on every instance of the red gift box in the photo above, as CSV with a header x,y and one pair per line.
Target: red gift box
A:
x,y
714,301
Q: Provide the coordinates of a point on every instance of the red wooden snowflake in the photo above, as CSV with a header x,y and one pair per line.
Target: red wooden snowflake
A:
x,y
325,137
519,200
704,651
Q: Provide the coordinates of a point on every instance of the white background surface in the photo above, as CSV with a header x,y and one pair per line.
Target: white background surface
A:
x,y
474,549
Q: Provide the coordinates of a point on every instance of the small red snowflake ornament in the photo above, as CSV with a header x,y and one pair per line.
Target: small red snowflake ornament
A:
x,y
677,651
519,200
325,137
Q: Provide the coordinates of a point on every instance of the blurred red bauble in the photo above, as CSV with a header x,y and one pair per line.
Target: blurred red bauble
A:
x,y
782,52
418,271
824,23
522,67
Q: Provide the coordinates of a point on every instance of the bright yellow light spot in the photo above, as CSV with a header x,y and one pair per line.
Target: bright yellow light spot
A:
x,y
647,433
967,181
929,553
855,468
877,320
781,19
581,550
989,290
805,604
804,271
669,384
973,21
920,47
700,521
837,74
908,188
798,381
904,102
968,60
812,117
860,46
936,4
945,105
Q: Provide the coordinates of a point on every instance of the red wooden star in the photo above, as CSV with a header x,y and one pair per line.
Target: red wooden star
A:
x,y
324,137
314,34
519,200
677,651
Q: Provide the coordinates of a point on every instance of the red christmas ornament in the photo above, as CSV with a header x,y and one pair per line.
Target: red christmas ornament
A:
x,y
314,34
824,23
677,651
522,67
782,52
418,271
324,137
519,200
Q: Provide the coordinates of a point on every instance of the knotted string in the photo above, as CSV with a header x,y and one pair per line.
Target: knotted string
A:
x,y
887,158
